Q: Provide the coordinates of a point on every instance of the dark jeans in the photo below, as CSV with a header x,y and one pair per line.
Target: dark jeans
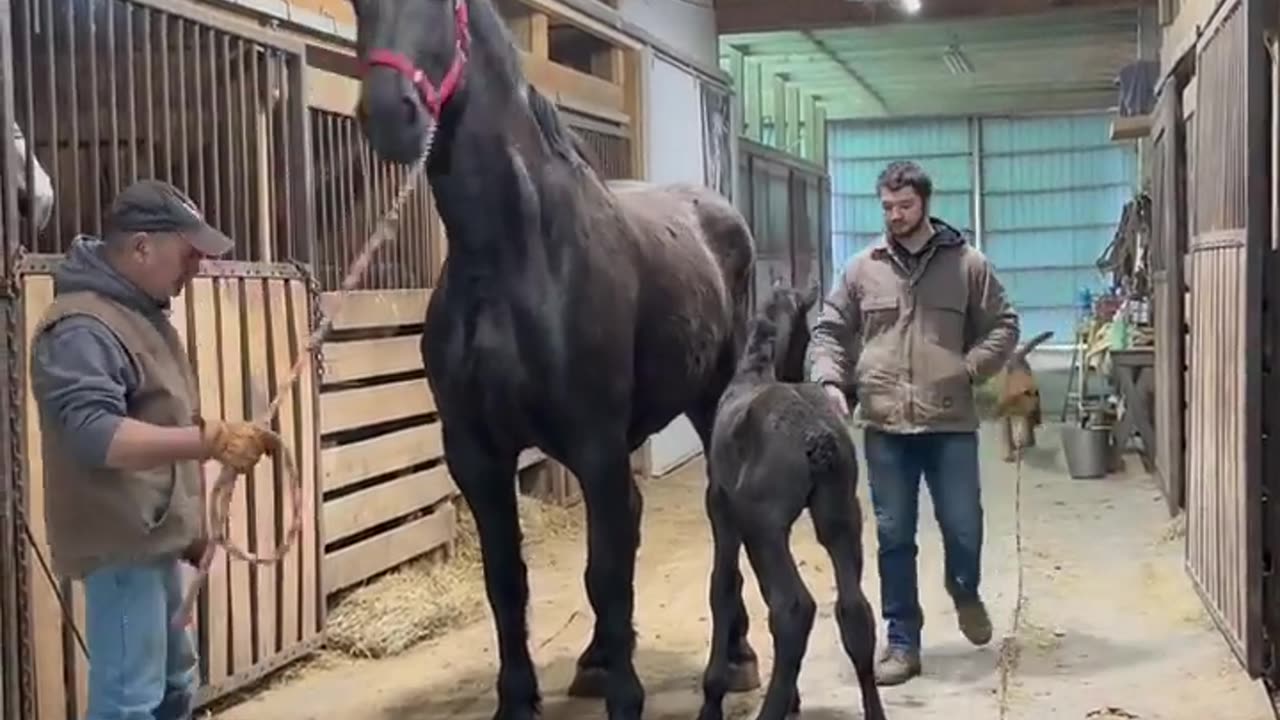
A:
x,y
949,464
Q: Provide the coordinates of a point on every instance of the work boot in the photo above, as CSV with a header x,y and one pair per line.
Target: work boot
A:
x,y
974,622
897,665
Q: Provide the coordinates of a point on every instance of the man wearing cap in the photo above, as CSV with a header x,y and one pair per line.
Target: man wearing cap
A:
x,y
123,445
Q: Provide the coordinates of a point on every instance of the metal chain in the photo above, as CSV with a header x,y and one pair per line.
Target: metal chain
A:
x,y
18,497
317,319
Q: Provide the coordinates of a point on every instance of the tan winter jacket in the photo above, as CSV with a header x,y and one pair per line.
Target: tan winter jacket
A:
x,y
909,340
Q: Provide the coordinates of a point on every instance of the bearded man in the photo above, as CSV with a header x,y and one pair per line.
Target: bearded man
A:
x,y
915,322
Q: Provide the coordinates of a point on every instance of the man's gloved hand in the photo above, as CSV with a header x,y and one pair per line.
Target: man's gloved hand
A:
x,y
195,551
239,445
839,402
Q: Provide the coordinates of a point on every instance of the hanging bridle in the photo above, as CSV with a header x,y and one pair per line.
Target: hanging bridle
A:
x,y
433,97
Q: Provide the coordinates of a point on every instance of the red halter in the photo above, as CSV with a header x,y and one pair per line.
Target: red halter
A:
x,y
432,97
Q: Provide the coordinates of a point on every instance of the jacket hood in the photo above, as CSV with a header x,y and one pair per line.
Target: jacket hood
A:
x,y
86,268
944,234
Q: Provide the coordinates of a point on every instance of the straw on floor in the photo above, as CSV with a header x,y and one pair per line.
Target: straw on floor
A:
x,y
430,597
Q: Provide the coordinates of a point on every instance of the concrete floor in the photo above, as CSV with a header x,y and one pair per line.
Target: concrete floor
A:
x,y
1108,624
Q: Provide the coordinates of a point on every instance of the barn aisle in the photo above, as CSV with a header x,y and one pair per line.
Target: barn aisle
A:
x,y
1108,622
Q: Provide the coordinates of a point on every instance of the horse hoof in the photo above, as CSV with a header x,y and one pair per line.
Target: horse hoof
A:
x,y
589,683
744,676
711,712
523,713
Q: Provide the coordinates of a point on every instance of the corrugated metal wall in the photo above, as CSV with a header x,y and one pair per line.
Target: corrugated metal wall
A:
x,y
1051,194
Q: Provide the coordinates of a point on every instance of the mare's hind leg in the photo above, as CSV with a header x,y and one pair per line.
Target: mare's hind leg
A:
x,y
726,595
744,666
835,513
485,482
791,612
613,506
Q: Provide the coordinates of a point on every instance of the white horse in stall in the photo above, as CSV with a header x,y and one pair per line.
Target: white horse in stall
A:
x,y
37,202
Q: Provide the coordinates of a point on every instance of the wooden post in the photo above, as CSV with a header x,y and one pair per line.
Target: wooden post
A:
x,y
539,36
820,135
635,67
778,107
794,134
752,100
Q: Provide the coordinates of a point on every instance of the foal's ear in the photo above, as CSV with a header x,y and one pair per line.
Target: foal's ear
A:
x,y
809,297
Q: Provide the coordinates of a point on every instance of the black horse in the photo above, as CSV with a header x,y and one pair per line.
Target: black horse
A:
x,y
571,315
777,450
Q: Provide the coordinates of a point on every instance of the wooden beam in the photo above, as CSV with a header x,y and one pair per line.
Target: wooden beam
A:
x,y
1134,127
853,74
742,16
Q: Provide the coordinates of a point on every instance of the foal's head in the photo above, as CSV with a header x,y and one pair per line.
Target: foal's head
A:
x,y
423,60
780,334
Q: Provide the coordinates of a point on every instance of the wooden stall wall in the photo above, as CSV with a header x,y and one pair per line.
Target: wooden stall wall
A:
x,y
118,90
1169,230
1224,359
785,199
386,489
243,326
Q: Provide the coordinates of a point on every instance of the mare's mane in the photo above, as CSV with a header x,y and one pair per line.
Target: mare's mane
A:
x,y
563,140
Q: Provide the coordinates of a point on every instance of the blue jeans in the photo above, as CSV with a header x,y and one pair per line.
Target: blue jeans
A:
x,y
949,464
141,667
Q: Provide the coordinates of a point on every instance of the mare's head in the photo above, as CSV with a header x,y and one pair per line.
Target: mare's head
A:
x,y
779,336
421,61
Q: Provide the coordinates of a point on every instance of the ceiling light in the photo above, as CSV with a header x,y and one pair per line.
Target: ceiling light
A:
x,y
911,6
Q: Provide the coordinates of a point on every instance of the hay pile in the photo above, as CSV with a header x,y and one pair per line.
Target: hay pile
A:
x,y
427,598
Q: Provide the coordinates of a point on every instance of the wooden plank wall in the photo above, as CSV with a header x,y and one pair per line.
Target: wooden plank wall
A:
x,y
386,491
1168,188
242,335
1224,548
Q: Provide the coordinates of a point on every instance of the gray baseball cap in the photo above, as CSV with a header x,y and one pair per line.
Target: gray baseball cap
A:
x,y
157,206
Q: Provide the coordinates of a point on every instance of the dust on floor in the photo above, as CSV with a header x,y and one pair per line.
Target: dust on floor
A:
x,y
1109,626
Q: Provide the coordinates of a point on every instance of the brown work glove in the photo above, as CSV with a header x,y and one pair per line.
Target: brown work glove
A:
x,y
239,445
194,552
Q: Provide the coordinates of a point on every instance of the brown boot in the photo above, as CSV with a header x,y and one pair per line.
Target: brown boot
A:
x,y
974,622
897,665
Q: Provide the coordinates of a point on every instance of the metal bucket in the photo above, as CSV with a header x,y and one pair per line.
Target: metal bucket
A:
x,y
1088,451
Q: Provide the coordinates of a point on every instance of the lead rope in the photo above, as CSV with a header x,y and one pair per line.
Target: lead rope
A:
x,y
220,496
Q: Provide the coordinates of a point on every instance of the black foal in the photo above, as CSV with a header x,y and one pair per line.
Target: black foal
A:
x,y
778,448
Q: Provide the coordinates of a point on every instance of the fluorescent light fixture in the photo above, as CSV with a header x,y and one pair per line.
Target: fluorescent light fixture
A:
x,y
956,62
911,6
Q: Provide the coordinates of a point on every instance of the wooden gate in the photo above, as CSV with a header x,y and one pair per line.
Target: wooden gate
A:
x,y
1169,200
1224,272
109,92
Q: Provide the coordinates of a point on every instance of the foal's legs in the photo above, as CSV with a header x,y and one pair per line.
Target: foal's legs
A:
x,y
744,667
839,529
791,611
726,595
486,483
613,535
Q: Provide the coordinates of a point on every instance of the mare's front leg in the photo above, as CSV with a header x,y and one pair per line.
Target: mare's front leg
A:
x,y
613,506
487,481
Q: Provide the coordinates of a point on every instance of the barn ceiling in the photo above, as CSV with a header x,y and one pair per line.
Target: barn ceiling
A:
x,y
1060,60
